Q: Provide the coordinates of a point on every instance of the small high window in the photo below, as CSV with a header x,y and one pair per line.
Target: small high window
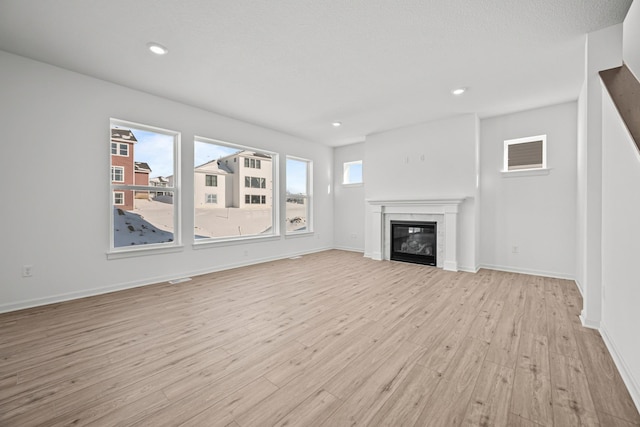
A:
x,y
352,172
525,153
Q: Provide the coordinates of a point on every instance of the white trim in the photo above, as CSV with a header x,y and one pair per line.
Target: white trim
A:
x,y
308,196
588,323
533,272
115,168
509,142
275,191
114,198
526,172
349,249
208,242
36,302
346,169
176,244
632,385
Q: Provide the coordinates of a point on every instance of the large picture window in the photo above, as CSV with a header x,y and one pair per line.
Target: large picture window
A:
x,y
298,211
244,192
141,158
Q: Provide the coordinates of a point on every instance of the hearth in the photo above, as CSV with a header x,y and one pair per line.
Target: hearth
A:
x,y
413,241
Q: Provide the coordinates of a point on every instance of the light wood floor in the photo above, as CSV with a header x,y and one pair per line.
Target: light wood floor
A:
x,y
330,339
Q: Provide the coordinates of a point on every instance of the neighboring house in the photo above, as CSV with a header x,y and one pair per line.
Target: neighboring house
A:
x,y
126,171
212,185
123,169
159,182
142,171
240,180
252,179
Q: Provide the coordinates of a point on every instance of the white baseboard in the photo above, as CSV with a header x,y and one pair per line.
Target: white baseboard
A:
x,y
37,302
349,249
532,272
632,383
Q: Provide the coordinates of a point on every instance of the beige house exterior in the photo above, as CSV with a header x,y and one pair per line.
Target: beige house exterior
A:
x,y
240,180
212,185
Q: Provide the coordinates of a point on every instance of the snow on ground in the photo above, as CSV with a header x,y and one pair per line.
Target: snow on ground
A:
x,y
131,229
217,222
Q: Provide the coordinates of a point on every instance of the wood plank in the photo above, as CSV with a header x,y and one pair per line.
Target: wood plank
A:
x,y
572,404
608,391
328,338
489,402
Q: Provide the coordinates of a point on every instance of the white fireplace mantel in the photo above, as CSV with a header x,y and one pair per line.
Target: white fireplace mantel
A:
x,y
383,209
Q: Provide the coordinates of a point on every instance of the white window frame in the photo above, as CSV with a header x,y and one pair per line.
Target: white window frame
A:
x,y
121,194
539,170
119,145
308,197
211,196
138,250
275,205
113,174
346,166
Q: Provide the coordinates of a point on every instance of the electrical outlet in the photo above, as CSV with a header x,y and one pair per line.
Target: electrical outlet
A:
x,y
515,250
27,270
353,235
246,253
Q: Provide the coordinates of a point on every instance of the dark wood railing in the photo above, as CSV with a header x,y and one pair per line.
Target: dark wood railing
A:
x,y
624,89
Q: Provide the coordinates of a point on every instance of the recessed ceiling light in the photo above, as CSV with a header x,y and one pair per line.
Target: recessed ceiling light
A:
x,y
459,91
336,124
158,49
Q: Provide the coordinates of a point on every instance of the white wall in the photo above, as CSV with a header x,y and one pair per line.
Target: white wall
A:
x,y
631,38
54,166
429,160
349,204
603,50
620,246
535,213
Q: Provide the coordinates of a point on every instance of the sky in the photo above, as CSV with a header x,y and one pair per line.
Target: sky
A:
x,y
156,150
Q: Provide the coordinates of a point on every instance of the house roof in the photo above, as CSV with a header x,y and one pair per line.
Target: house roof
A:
x,y
142,167
122,135
215,167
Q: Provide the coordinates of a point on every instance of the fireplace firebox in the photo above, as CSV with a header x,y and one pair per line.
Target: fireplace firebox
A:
x,y
413,241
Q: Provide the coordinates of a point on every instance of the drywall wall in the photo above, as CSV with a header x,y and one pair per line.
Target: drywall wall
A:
x,y
533,216
55,164
631,38
349,205
603,50
620,246
428,160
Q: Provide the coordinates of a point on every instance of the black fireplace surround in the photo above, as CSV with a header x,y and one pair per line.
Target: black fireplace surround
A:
x,y
413,241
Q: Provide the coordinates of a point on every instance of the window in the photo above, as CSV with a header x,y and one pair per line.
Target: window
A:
x,y
117,174
120,149
141,217
251,163
298,210
211,181
525,153
255,182
118,198
352,172
246,186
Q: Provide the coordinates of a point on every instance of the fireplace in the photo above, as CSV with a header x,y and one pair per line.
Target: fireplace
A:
x,y
413,241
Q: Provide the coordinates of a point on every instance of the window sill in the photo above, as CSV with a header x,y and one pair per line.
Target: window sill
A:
x,y
230,241
299,234
357,184
142,251
525,172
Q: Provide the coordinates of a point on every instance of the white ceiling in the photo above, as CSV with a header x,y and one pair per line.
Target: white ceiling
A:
x,y
298,65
